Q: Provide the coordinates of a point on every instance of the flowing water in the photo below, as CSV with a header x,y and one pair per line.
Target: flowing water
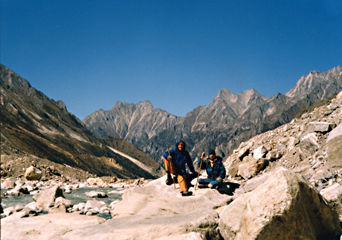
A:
x,y
76,196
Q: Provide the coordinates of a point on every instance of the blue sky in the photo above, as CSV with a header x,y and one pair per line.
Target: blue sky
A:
x,y
177,54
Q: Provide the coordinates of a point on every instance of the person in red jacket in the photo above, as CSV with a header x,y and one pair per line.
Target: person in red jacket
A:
x,y
175,161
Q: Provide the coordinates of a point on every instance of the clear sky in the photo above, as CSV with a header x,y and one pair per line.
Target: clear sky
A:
x,y
176,53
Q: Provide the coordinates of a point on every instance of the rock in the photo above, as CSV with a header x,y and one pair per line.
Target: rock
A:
x,y
79,207
243,152
335,133
251,167
273,155
232,166
94,205
95,181
9,183
57,209
335,150
96,194
46,198
284,207
259,152
322,127
32,173
333,194
309,144
33,206
292,142
62,201
13,192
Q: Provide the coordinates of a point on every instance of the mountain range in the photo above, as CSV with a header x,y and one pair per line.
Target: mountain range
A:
x,y
223,124
35,125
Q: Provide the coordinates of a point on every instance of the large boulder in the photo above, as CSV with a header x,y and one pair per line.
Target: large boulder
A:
x,y
46,198
284,207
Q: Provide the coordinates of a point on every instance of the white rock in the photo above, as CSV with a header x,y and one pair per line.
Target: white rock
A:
x,y
9,183
80,206
96,194
259,152
333,192
94,205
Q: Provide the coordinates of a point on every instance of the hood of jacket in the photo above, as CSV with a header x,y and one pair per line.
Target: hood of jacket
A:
x,y
179,141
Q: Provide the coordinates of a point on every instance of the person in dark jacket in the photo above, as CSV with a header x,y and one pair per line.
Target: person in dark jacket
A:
x,y
215,170
175,160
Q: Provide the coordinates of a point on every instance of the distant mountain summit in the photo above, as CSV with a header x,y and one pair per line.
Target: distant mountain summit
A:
x,y
32,123
228,120
133,122
239,102
315,78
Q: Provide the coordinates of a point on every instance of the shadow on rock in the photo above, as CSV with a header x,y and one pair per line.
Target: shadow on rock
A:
x,y
225,188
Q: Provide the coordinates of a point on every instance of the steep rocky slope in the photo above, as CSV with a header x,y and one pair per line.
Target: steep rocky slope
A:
x,y
310,145
34,125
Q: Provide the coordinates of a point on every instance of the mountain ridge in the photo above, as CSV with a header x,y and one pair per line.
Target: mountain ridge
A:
x,y
34,124
233,116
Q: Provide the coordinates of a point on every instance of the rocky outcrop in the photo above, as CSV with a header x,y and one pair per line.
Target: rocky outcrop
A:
x,y
283,207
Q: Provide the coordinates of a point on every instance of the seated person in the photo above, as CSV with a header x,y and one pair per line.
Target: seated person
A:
x,y
215,170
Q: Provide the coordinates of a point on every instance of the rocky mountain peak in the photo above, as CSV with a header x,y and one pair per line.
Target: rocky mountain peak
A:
x,y
334,72
142,104
315,78
226,95
10,79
